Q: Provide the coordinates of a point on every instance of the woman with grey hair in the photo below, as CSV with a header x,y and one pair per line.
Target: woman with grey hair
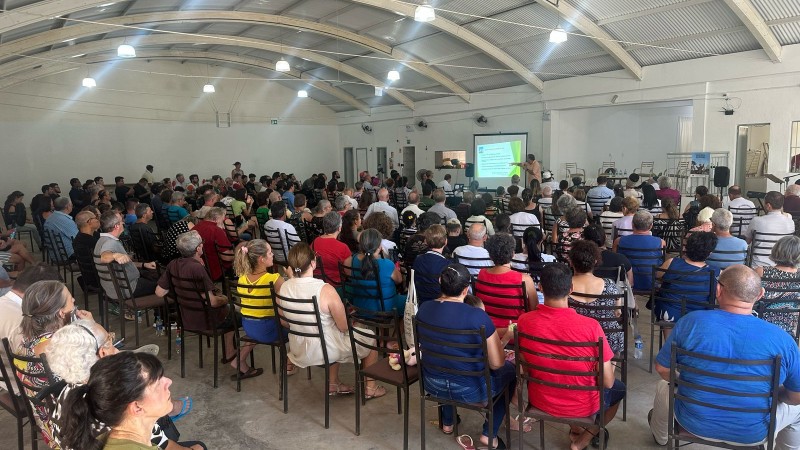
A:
x,y
177,207
783,276
46,307
563,203
315,228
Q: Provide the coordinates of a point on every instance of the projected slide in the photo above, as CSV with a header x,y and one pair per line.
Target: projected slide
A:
x,y
497,158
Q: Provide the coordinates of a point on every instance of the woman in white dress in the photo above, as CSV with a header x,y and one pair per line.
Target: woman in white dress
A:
x,y
307,351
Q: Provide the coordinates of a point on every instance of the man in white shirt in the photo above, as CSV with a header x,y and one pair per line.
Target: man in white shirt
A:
x,y
445,184
413,204
148,174
439,208
278,223
476,235
547,198
549,181
383,206
774,221
11,303
180,180
348,194
734,200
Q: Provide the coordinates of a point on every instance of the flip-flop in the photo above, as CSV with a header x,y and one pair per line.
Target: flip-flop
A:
x,y
465,441
529,421
252,373
186,408
596,439
341,389
500,445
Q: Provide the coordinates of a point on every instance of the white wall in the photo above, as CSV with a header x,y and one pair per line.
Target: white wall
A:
x,y
626,135
54,130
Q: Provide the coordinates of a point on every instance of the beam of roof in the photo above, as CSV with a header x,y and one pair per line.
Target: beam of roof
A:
x,y
105,50
465,35
284,21
597,34
758,28
48,38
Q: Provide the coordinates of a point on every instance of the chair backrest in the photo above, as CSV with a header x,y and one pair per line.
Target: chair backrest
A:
x,y
231,231
518,229
445,348
400,199
303,319
122,284
549,220
671,231
741,218
733,381
19,370
371,324
689,290
142,245
275,239
105,277
597,203
762,243
647,167
642,259
613,319
616,273
720,258
321,274
55,242
780,304
472,263
619,232
356,285
250,301
194,307
535,270
226,265
543,361
503,302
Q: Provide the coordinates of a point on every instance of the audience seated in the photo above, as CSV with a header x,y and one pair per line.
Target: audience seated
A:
x,y
641,248
595,233
439,207
786,255
15,216
413,204
731,331
666,191
576,220
491,209
721,221
314,227
520,217
121,192
60,223
371,272
584,256
429,266
547,198
170,250
791,200
416,245
669,210
774,221
141,231
351,224
109,249
385,227
212,233
531,255
500,248
630,205
462,210
478,211
307,351
734,199
455,236
450,311
555,320
649,200
330,250
476,236
382,206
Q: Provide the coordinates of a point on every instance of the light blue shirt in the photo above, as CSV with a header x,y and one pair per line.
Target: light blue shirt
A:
x,y
63,225
728,244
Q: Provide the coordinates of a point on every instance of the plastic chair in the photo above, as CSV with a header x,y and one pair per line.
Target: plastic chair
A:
x,y
370,325
574,170
677,286
731,376
434,340
532,373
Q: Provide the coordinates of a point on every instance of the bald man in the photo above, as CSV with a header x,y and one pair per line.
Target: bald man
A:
x,y
730,332
473,255
383,206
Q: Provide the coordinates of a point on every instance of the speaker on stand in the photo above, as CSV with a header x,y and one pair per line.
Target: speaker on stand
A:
x,y
469,171
722,178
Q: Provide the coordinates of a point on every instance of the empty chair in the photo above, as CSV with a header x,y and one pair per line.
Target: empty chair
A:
x,y
573,170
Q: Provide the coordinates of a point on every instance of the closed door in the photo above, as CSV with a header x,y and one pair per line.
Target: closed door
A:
x,y
409,168
382,158
349,177
362,160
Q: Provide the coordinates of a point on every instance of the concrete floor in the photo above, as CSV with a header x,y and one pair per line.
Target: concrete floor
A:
x,y
254,418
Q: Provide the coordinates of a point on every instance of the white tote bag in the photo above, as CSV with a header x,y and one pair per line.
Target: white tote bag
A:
x,y
410,310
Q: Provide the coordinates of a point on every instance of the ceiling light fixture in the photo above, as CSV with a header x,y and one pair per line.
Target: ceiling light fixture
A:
x,y
282,66
424,13
89,82
302,94
393,75
126,51
209,88
558,36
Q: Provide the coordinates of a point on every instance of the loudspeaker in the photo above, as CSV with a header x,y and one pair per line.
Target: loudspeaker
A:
x,y
722,176
469,171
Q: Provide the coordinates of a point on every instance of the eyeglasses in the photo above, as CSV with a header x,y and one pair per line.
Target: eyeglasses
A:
x,y
109,339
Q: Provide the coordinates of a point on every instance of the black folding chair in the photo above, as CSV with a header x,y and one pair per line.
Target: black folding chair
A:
x,y
15,404
762,243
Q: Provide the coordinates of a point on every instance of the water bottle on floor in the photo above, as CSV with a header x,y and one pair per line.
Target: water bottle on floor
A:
x,y
637,347
159,327
178,341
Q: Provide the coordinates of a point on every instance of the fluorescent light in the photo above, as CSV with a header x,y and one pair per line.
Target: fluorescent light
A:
x,y
558,36
209,89
393,75
89,82
126,51
302,94
378,91
282,66
424,13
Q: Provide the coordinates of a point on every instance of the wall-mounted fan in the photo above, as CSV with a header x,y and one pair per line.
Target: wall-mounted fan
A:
x,y
480,119
422,124
366,128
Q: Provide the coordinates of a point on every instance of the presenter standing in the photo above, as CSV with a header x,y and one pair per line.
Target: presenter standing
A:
x,y
532,168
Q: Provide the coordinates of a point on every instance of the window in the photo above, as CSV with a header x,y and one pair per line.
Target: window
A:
x,y
794,148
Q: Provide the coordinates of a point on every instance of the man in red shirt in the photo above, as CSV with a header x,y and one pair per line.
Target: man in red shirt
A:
x,y
331,250
212,230
555,320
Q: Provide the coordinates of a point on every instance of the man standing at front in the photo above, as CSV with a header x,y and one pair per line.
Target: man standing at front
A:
x,y
730,332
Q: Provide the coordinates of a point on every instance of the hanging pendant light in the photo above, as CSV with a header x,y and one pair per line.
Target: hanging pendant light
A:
x,y
558,36
393,75
424,13
302,93
209,88
282,66
89,82
126,51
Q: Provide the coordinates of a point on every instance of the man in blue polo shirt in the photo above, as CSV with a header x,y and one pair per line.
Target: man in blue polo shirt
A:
x,y
731,332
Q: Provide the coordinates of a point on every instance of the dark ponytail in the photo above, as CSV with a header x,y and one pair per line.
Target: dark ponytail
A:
x,y
368,243
77,420
532,237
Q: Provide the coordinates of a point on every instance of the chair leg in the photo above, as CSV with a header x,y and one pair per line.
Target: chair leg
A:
x,y
327,397
236,338
405,417
34,433
624,369
422,421
541,434
273,360
359,395
216,357
137,324
200,346
652,347
20,433
168,327
183,354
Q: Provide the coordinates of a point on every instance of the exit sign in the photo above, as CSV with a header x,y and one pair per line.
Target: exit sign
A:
x,y
274,121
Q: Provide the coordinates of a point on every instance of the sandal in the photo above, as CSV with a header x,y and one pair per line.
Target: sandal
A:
x,y
251,373
186,408
291,369
340,389
596,440
465,441
500,445
527,424
377,391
